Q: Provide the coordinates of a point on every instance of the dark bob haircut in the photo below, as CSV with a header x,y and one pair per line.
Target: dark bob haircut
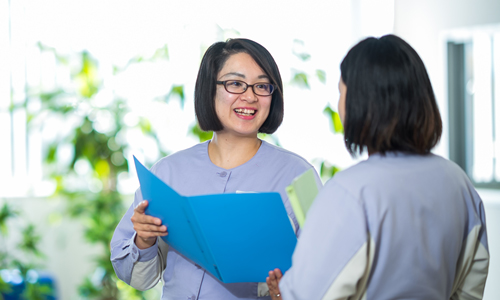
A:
x,y
212,63
390,104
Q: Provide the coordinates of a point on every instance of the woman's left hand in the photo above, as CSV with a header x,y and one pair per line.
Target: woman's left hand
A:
x,y
273,283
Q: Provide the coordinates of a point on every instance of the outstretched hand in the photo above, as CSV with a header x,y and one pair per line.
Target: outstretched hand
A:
x,y
148,228
273,283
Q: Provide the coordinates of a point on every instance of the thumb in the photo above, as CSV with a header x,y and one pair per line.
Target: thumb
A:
x,y
141,207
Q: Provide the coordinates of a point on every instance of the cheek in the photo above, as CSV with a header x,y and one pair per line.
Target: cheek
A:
x,y
267,105
223,102
341,109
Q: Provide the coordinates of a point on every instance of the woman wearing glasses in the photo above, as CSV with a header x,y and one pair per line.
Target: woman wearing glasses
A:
x,y
238,94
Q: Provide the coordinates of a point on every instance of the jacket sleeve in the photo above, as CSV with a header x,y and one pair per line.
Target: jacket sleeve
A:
x,y
472,268
331,264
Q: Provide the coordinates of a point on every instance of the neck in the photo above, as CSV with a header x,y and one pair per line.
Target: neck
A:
x,y
229,151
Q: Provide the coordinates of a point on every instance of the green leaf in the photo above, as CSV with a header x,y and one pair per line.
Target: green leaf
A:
x,y
202,135
6,213
5,288
37,291
336,122
176,91
300,80
303,56
49,97
161,53
87,78
327,170
145,125
321,76
269,138
297,50
30,240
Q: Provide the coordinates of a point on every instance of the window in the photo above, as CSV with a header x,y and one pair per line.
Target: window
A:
x,y
474,104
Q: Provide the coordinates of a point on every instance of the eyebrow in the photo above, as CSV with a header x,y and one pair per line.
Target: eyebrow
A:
x,y
243,76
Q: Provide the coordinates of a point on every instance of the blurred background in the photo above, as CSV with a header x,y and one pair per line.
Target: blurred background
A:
x,y
84,85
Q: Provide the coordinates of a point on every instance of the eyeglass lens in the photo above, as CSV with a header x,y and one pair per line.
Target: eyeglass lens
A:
x,y
239,87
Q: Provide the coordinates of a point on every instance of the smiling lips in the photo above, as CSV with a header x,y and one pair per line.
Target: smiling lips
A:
x,y
245,111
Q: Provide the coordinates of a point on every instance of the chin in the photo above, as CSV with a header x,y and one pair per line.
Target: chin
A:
x,y
245,133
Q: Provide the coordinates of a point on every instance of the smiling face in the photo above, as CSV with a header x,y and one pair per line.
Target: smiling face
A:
x,y
242,114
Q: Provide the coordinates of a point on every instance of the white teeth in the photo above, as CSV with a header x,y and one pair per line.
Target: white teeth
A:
x,y
245,111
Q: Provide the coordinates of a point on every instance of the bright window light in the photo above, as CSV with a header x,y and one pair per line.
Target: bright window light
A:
x,y
113,32
482,169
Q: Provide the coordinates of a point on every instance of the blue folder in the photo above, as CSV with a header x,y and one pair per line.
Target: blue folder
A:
x,y
236,237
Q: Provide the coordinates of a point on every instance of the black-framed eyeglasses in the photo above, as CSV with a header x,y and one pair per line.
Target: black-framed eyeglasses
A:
x,y
239,87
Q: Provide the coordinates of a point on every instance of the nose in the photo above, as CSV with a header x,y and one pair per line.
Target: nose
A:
x,y
249,96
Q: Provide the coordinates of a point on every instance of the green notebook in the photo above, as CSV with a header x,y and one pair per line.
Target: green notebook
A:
x,y
302,192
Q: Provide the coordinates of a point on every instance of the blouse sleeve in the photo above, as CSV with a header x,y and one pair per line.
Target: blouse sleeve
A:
x,y
130,263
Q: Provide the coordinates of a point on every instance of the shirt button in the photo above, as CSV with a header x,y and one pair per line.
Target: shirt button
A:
x,y
135,250
223,174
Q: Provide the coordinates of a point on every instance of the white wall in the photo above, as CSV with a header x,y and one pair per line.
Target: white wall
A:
x,y
422,24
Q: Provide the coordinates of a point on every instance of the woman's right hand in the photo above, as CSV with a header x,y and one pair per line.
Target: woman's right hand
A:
x,y
148,228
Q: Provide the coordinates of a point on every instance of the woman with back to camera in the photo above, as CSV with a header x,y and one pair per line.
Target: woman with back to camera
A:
x,y
238,93
405,223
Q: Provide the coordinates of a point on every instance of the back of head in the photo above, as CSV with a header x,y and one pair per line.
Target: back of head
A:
x,y
212,63
390,104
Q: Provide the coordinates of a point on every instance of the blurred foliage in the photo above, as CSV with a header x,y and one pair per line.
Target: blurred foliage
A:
x,y
30,241
160,54
327,170
301,78
202,136
93,196
37,291
299,51
87,80
335,121
177,91
321,76
6,213
28,249
269,138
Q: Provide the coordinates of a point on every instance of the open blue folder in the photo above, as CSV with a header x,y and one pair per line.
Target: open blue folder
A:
x,y
237,237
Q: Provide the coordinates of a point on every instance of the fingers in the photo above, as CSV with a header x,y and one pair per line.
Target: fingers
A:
x,y
146,231
146,227
140,216
278,274
273,283
141,207
275,275
145,219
